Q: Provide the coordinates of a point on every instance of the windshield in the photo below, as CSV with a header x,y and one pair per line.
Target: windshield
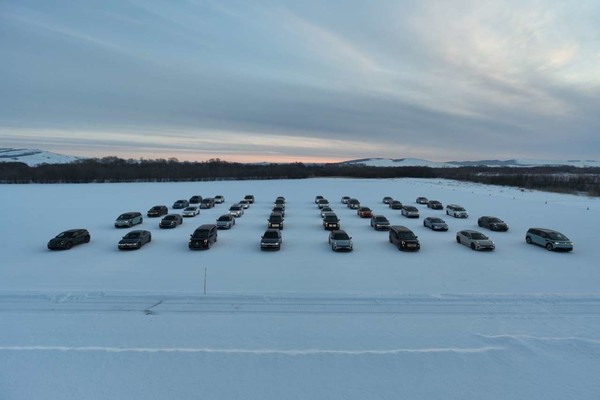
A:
x,y
234,208
478,236
65,234
270,235
224,218
200,234
132,235
170,218
407,236
496,220
436,220
381,219
459,209
331,218
275,218
156,208
557,236
190,209
341,236
125,216
410,208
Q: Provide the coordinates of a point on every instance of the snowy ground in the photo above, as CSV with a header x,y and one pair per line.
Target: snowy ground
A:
x,y
446,322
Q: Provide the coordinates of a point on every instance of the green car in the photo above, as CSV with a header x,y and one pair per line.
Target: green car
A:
x,y
551,240
129,219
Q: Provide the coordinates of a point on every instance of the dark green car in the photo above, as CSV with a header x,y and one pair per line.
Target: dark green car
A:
x,y
68,239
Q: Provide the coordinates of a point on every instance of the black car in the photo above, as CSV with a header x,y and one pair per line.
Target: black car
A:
x,y
275,221
404,238
435,205
249,198
395,205
207,202
387,200
492,223
171,221
279,209
380,223
195,199
353,204
203,237
158,211
135,240
271,240
68,239
322,203
331,222
280,201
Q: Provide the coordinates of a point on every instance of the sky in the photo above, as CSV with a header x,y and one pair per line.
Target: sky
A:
x,y
302,80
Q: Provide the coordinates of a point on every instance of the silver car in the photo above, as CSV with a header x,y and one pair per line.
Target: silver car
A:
x,y
340,241
236,210
435,224
475,240
225,221
191,211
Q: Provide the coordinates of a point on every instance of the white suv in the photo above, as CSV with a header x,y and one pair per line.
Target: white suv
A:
x,y
456,211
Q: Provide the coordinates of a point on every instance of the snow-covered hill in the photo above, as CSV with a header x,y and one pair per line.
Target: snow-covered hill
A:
x,y
34,157
416,162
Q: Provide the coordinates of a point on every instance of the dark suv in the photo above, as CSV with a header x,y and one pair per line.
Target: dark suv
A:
x,y
271,240
331,222
68,239
207,202
275,221
170,221
157,211
203,237
404,238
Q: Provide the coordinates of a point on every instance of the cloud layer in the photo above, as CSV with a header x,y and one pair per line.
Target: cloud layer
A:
x,y
302,80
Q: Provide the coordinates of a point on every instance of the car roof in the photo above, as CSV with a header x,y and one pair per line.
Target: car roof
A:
x,y
545,230
400,228
206,226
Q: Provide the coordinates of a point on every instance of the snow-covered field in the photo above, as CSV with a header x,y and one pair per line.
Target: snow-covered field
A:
x,y
304,322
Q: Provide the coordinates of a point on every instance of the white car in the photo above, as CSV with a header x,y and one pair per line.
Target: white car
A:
x,y
456,211
410,212
190,211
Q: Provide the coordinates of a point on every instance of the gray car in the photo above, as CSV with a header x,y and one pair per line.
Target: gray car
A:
x,y
475,240
225,221
340,241
128,219
435,224
135,240
548,238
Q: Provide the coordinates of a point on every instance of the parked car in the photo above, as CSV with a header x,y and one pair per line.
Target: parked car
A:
x,y
317,198
340,241
249,198
456,211
387,200
170,221
181,204
236,210
435,205
219,199
190,211
548,238
279,209
325,210
364,212
271,240
194,200
129,219
380,223
68,239
410,211
353,204
203,237
135,240
395,205
207,202
403,238
280,201
435,224
422,200
345,199
492,223
331,222
244,203
225,221
275,221
322,203
475,240
157,211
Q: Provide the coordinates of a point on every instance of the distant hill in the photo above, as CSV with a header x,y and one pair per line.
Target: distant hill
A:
x,y
416,162
34,157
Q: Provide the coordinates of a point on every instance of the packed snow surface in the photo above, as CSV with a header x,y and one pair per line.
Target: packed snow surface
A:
x,y
94,322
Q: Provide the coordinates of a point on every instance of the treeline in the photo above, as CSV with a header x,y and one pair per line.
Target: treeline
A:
x,y
112,169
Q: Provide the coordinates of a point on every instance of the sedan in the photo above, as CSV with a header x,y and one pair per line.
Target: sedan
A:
x,y
435,205
475,240
410,212
422,200
135,240
236,210
225,221
171,221
364,212
380,223
181,204
68,239
492,223
435,224
387,200
340,241
191,211
395,205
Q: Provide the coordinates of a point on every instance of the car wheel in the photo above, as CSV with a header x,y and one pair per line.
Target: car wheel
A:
x,y
130,224
457,239
479,223
549,247
472,246
424,223
86,239
139,245
141,220
390,239
149,239
69,245
208,244
528,239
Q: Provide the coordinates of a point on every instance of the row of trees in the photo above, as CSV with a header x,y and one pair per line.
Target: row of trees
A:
x,y
113,169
